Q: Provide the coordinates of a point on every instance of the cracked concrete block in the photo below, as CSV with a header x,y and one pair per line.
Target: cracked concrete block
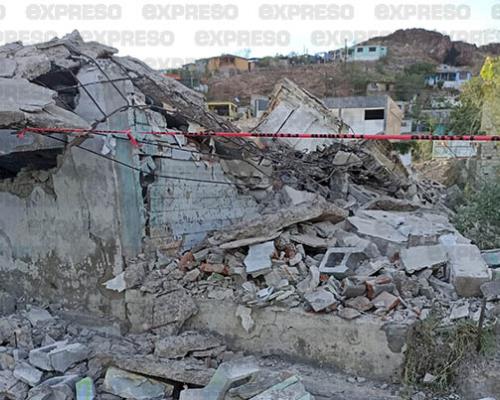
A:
x,y
28,374
226,376
467,269
11,387
64,357
245,315
38,315
290,389
418,258
132,386
40,357
341,261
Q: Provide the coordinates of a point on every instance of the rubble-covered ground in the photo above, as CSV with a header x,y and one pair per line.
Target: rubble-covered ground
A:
x,y
346,235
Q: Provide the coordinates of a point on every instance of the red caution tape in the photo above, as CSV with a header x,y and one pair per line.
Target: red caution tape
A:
x,y
405,137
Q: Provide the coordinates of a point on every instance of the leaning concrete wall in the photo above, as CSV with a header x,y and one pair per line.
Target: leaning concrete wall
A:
x,y
59,239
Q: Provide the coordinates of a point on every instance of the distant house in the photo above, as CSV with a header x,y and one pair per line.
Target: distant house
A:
x,y
360,53
228,64
451,77
379,87
367,114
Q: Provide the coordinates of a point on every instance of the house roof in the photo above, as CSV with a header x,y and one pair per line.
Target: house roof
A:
x,y
356,101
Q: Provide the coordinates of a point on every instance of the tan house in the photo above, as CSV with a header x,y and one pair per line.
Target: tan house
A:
x,y
228,64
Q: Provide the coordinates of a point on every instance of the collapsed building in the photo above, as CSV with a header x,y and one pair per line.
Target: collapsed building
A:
x,y
326,252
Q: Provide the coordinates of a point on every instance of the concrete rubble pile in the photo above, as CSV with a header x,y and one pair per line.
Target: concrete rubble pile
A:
x,y
45,356
396,265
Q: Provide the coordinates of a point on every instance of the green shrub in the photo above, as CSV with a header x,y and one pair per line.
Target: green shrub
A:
x,y
479,217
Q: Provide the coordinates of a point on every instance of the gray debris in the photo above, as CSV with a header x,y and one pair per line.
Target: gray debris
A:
x,y
132,386
187,342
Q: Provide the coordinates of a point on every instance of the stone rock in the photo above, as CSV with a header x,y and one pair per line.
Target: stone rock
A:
x,y
386,301
290,389
258,259
226,375
311,282
467,269
57,388
7,302
117,284
28,374
361,304
7,67
181,345
312,241
416,259
343,158
64,357
245,315
38,315
491,290
296,197
320,299
459,311
133,386
349,313
11,387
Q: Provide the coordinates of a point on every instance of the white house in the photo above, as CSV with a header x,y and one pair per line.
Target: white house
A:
x,y
367,114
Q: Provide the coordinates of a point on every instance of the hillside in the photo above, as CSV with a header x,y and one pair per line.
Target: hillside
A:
x,y
406,47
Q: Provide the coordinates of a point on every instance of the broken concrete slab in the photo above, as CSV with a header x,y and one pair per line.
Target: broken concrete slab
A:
x,y
28,374
311,282
295,197
349,313
38,315
269,224
7,67
320,299
187,342
467,270
258,259
361,304
64,357
132,386
189,371
290,389
226,376
418,258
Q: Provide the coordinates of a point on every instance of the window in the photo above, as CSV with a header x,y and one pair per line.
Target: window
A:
x,y
351,52
371,115
372,49
360,49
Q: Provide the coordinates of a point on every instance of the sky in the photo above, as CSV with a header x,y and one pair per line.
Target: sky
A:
x,y
168,34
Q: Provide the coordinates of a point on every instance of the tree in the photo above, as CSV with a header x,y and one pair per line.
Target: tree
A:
x,y
411,81
466,116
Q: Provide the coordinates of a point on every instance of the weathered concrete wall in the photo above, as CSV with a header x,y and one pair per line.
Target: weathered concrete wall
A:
x,y
187,210
60,242
361,347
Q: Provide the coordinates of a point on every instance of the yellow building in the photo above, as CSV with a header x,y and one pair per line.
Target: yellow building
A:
x,y
224,109
228,64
